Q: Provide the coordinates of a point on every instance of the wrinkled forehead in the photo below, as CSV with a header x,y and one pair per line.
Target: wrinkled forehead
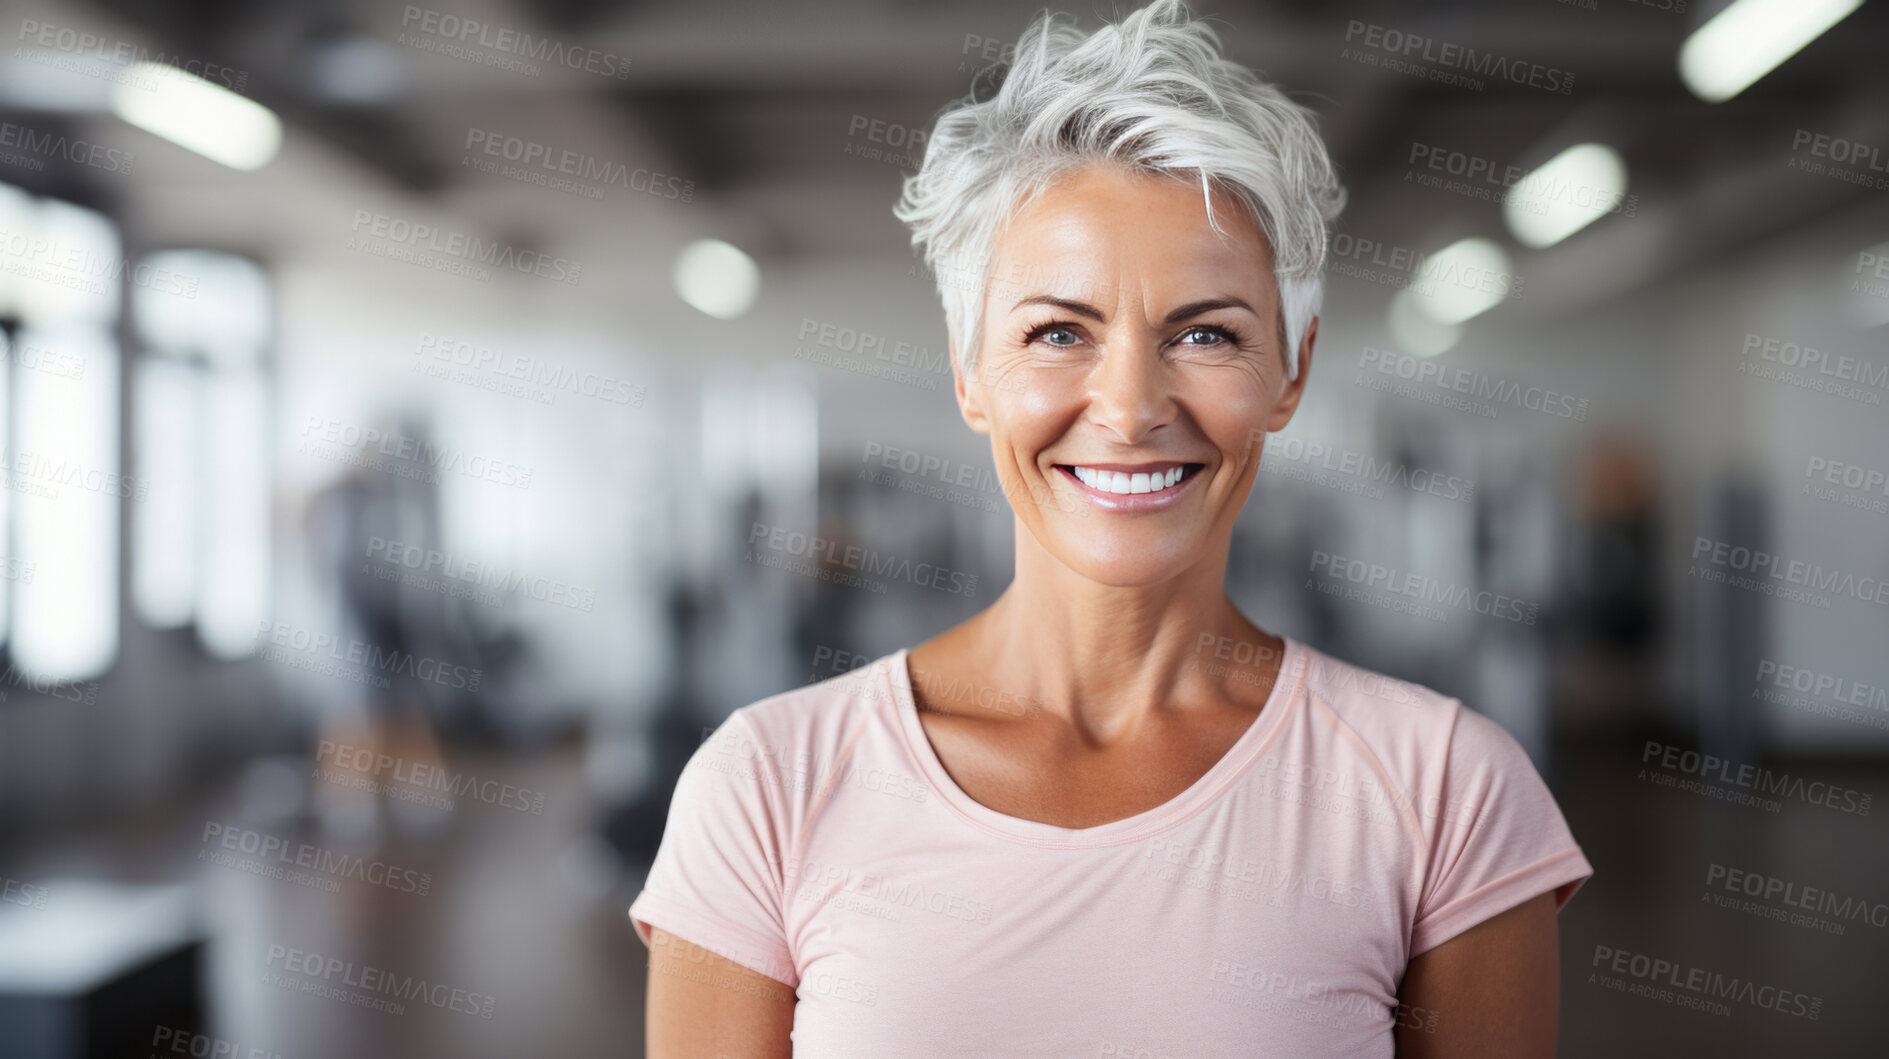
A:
x,y
1102,236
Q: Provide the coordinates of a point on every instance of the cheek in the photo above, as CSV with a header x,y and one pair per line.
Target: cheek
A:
x,y
1032,408
1230,411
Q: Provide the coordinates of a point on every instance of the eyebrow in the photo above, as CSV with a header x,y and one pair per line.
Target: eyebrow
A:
x,y
1182,313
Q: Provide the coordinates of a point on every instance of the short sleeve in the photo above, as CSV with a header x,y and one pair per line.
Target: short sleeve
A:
x,y
716,880
1495,836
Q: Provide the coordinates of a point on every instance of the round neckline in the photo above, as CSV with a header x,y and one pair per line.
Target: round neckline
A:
x,y
1231,766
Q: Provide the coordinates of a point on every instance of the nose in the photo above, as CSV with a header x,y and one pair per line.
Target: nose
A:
x,y
1129,389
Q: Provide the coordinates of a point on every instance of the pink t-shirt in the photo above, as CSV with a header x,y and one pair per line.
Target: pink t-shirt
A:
x,y
1270,909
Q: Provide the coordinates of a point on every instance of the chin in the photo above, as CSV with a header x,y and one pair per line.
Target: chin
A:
x,y
1130,561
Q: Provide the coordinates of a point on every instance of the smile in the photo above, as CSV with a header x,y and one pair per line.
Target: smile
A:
x,y
1132,487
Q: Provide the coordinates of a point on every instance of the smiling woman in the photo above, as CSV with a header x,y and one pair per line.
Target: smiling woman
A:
x,y
1209,839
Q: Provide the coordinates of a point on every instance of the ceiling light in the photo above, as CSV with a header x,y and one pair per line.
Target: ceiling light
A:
x,y
1569,192
1416,332
717,278
1750,39
191,112
1464,279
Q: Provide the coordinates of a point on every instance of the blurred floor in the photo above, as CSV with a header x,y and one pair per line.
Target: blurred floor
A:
x,y
517,909
1652,850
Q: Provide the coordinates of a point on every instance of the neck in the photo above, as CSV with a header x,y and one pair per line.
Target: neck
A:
x,y
1104,657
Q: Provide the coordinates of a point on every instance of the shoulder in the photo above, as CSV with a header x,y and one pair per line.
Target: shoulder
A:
x,y
789,742
1419,738
1387,713
825,713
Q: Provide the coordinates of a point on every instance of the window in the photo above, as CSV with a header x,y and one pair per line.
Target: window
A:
x,y
201,396
61,273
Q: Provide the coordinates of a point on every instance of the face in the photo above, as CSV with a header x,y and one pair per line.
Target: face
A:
x,y
1126,346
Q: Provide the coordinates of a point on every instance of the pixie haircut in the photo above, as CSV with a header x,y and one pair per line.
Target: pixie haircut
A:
x,y
1152,94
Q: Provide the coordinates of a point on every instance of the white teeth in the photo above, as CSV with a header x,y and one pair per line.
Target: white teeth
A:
x,y
1123,482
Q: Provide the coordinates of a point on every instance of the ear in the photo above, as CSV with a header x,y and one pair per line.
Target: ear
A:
x,y
1288,401
970,404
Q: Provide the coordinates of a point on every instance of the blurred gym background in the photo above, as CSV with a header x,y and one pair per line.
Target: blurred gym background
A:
x,y
400,402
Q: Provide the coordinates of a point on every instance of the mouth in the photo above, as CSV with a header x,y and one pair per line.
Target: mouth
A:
x,y
1123,486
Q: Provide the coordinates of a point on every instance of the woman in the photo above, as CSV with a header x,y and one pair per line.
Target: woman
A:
x,y
1109,816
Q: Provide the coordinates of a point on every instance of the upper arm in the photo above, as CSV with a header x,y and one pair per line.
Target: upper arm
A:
x,y
712,909
704,1006
1493,990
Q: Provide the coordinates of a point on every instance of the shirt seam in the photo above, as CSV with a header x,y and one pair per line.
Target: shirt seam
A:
x,y
769,788
828,786
686,910
1495,884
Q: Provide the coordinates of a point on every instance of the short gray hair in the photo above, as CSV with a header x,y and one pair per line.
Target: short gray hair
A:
x,y
1152,94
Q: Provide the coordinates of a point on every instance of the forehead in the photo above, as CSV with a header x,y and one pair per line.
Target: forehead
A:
x,y
1107,229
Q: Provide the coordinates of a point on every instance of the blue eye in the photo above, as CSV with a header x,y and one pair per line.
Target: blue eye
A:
x,y
1046,330
1211,332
